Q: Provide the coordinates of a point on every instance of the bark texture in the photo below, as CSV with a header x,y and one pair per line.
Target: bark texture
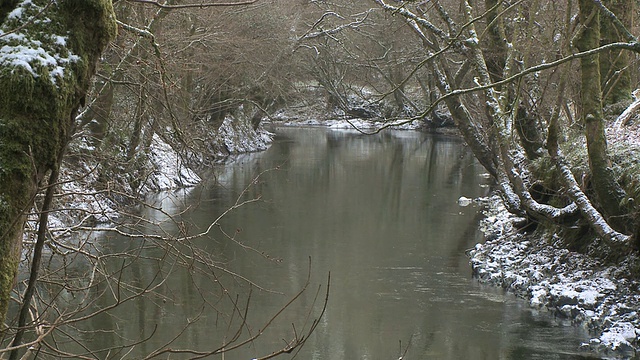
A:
x,y
615,64
609,194
45,70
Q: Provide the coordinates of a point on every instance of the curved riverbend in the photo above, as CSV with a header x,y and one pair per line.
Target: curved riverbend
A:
x,y
381,214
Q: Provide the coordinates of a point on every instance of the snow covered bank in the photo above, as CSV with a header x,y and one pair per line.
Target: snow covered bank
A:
x,y
572,285
93,192
239,137
357,124
170,171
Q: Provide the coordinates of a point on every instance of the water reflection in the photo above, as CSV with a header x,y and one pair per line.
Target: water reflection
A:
x,y
378,212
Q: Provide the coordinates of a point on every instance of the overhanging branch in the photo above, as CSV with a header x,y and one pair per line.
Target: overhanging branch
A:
x,y
200,5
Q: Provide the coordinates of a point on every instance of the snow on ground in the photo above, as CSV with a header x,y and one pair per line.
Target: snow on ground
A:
x,y
83,204
239,137
170,171
369,125
572,285
356,124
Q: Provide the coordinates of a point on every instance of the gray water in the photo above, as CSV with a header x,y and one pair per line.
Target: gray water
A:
x,y
379,213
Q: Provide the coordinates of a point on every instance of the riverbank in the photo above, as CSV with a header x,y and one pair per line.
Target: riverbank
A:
x,y
573,286
603,297
94,192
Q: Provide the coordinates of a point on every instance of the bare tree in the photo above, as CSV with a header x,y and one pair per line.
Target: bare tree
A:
x,y
142,91
485,70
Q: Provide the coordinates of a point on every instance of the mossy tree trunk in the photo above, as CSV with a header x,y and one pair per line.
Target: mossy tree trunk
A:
x,y
45,70
495,53
609,194
614,64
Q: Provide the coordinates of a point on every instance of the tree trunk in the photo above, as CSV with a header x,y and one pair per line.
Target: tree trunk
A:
x,y
529,132
96,118
614,64
608,192
140,118
38,104
495,53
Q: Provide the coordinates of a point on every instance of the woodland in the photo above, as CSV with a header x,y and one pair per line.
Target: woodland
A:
x,y
536,88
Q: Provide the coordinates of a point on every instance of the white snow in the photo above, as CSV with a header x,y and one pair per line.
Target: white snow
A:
x,y
570,284
84,205
59,40
357,124
19,50
170,170
239,137
464,201
619,335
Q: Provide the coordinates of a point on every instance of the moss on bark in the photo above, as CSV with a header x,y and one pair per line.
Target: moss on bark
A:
x,y
615,64
39,96
610,195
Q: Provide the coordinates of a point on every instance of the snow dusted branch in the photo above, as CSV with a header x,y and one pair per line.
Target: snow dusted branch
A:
x,y
595,219
445,16
418,19
626,115
352,25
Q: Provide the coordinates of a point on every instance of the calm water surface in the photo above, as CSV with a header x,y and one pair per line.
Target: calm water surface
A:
x,y
380,214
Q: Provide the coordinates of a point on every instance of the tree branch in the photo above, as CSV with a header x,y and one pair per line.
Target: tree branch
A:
x,y
201,5
616,22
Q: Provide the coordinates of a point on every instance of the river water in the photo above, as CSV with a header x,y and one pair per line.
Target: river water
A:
x,y
378,213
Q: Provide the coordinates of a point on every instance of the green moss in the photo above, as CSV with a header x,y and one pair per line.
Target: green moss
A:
x,y
8,270
626,165
37,109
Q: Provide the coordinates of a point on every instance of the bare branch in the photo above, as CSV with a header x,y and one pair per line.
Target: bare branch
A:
x,y
202,5
616,22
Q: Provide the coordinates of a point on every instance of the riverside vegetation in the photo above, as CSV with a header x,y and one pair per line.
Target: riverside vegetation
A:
x,y
531,86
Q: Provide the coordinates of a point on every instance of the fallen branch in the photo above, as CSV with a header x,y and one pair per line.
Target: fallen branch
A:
x,y
631,110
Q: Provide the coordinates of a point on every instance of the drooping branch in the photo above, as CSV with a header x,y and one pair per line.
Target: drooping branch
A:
x,y
163,73
595,219
627,114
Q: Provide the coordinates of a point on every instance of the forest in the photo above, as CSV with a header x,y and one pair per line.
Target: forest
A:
x,y
542,92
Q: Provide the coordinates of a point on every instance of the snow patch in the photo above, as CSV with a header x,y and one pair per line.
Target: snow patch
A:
x,y
572,285
464,201
619,336
352,124
19,50
240,137
170,170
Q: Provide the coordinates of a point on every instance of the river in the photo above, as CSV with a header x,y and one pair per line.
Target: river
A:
x,y
380,214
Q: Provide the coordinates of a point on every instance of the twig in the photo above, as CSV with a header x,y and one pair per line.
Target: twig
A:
x,y
201,5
